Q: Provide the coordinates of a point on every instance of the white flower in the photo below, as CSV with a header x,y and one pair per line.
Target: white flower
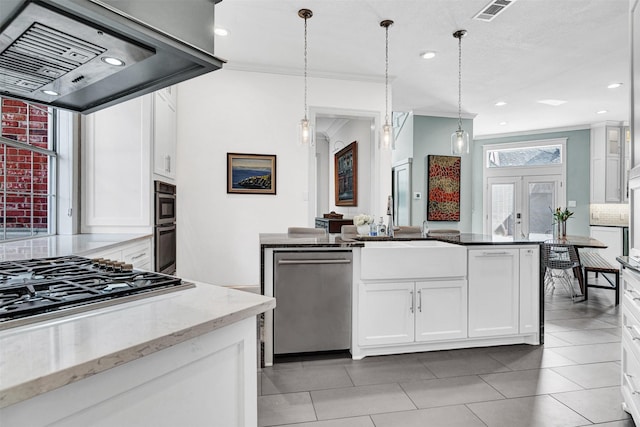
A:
x,y
362,219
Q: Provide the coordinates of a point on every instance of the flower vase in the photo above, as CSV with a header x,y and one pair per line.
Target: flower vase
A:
x,y
363,230
563,229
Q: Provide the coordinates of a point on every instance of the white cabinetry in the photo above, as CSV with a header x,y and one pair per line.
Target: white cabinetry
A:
x,y
504,291
613,238
493,292
631,342
386,313
165,133
209,380
138,254
607,160
406,312
116,176
529,290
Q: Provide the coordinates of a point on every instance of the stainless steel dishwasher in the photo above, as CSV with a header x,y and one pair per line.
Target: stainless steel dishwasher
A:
x,y
313,297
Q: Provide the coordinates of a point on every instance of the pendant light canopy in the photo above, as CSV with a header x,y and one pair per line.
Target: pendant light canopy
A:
x,y
386,135
306,135
460,138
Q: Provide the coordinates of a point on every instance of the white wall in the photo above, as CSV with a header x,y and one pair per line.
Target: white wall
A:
x,y
235,111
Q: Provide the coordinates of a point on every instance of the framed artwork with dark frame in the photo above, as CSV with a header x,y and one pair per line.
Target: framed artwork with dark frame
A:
x,y
443,183
251,173
346,175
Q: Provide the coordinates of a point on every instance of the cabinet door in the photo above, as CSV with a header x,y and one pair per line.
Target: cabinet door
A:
x,y
116,187
441,310
612,189
493,292
165,136
529,290
386,313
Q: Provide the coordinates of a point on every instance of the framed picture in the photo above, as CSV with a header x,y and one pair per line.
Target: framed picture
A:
x,y
443,201
346,175
251,173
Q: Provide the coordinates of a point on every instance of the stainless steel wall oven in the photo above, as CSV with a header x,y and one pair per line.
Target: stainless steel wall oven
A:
x,y
165,227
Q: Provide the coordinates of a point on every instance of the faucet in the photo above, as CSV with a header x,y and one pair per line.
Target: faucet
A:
x,y
425,228
390,214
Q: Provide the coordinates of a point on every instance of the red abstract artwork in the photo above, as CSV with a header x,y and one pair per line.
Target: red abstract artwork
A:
x,y
443,203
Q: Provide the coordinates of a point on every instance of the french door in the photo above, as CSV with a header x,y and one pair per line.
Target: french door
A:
x,y
521,206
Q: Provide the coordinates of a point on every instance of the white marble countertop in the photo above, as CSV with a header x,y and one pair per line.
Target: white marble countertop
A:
x,y
62,245
43,356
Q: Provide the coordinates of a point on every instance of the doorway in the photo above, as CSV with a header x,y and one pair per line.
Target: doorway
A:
x,y
524,183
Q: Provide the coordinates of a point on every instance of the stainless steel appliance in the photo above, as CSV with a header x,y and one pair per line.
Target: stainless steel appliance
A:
x,y
165,227
40,289
313,294
84,55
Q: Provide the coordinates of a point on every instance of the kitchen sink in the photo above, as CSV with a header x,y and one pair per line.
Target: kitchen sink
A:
x,y
405,259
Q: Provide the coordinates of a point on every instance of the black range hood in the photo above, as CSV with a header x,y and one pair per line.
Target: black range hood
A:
x,y
85,55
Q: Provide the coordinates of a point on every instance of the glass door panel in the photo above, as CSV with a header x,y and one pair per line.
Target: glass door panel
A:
x,y
503,195
540,200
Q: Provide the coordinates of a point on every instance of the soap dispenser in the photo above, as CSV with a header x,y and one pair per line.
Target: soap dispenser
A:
x,y
382,230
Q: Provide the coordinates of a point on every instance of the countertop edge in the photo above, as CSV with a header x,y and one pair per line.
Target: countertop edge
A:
x,y
38,385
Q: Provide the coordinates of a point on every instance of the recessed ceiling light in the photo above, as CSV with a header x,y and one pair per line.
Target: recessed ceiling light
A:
x,y
503,123
112,61
500,104
428,55
221,32
602,112
50,92
552,102
614,85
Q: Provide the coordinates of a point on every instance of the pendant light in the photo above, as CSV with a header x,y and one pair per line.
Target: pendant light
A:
x,y
386,134
460,138
306,135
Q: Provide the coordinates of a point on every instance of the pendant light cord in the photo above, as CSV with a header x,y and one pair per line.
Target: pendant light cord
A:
x,y
305,68
386,76
460,83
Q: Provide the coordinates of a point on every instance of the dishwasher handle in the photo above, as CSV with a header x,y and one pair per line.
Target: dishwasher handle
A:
x,y
314,261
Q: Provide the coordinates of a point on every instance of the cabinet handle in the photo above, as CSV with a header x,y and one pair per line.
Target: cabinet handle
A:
x,y
412,302
138,256
420,300
629,379
495,253
167,163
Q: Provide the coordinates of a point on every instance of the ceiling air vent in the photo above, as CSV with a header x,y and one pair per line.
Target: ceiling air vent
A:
x,y
493,9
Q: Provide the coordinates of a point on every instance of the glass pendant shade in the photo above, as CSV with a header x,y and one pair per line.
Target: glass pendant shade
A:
x,y
386,137
460,142
305,133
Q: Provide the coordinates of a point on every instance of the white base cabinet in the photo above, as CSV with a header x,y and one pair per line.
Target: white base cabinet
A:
x,y
630,360
406,312
504,291
494,300
206,381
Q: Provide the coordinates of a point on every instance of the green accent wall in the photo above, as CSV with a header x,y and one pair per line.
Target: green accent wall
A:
x,y
432,135
578,175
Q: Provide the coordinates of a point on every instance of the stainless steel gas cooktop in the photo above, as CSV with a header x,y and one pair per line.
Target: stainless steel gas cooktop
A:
x,y
40,289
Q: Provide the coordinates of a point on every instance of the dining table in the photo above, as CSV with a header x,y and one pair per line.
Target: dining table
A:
x,y
579,242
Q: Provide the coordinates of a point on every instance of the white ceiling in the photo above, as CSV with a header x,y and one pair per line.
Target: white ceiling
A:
x,y
536,49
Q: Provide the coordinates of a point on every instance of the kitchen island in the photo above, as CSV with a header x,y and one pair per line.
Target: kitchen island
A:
x,y
185,357
488,292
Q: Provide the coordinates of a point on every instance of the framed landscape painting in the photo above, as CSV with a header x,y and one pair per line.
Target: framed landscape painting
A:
x,y
346,175
443,200
251,173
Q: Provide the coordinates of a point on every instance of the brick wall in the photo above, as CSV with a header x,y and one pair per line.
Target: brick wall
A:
x,y
26,172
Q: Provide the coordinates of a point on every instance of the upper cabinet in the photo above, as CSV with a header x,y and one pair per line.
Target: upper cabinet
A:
x,y
116,177
609,163
164,134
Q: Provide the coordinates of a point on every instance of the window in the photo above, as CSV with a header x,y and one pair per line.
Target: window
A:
x,y
27,170
543,155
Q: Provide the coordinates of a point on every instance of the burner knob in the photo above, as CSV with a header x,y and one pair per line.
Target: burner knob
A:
x,y
127,267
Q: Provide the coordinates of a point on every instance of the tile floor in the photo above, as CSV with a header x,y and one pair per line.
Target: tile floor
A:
x,y
573,380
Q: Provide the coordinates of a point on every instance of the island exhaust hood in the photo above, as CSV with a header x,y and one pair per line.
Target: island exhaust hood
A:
x,y
85,55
